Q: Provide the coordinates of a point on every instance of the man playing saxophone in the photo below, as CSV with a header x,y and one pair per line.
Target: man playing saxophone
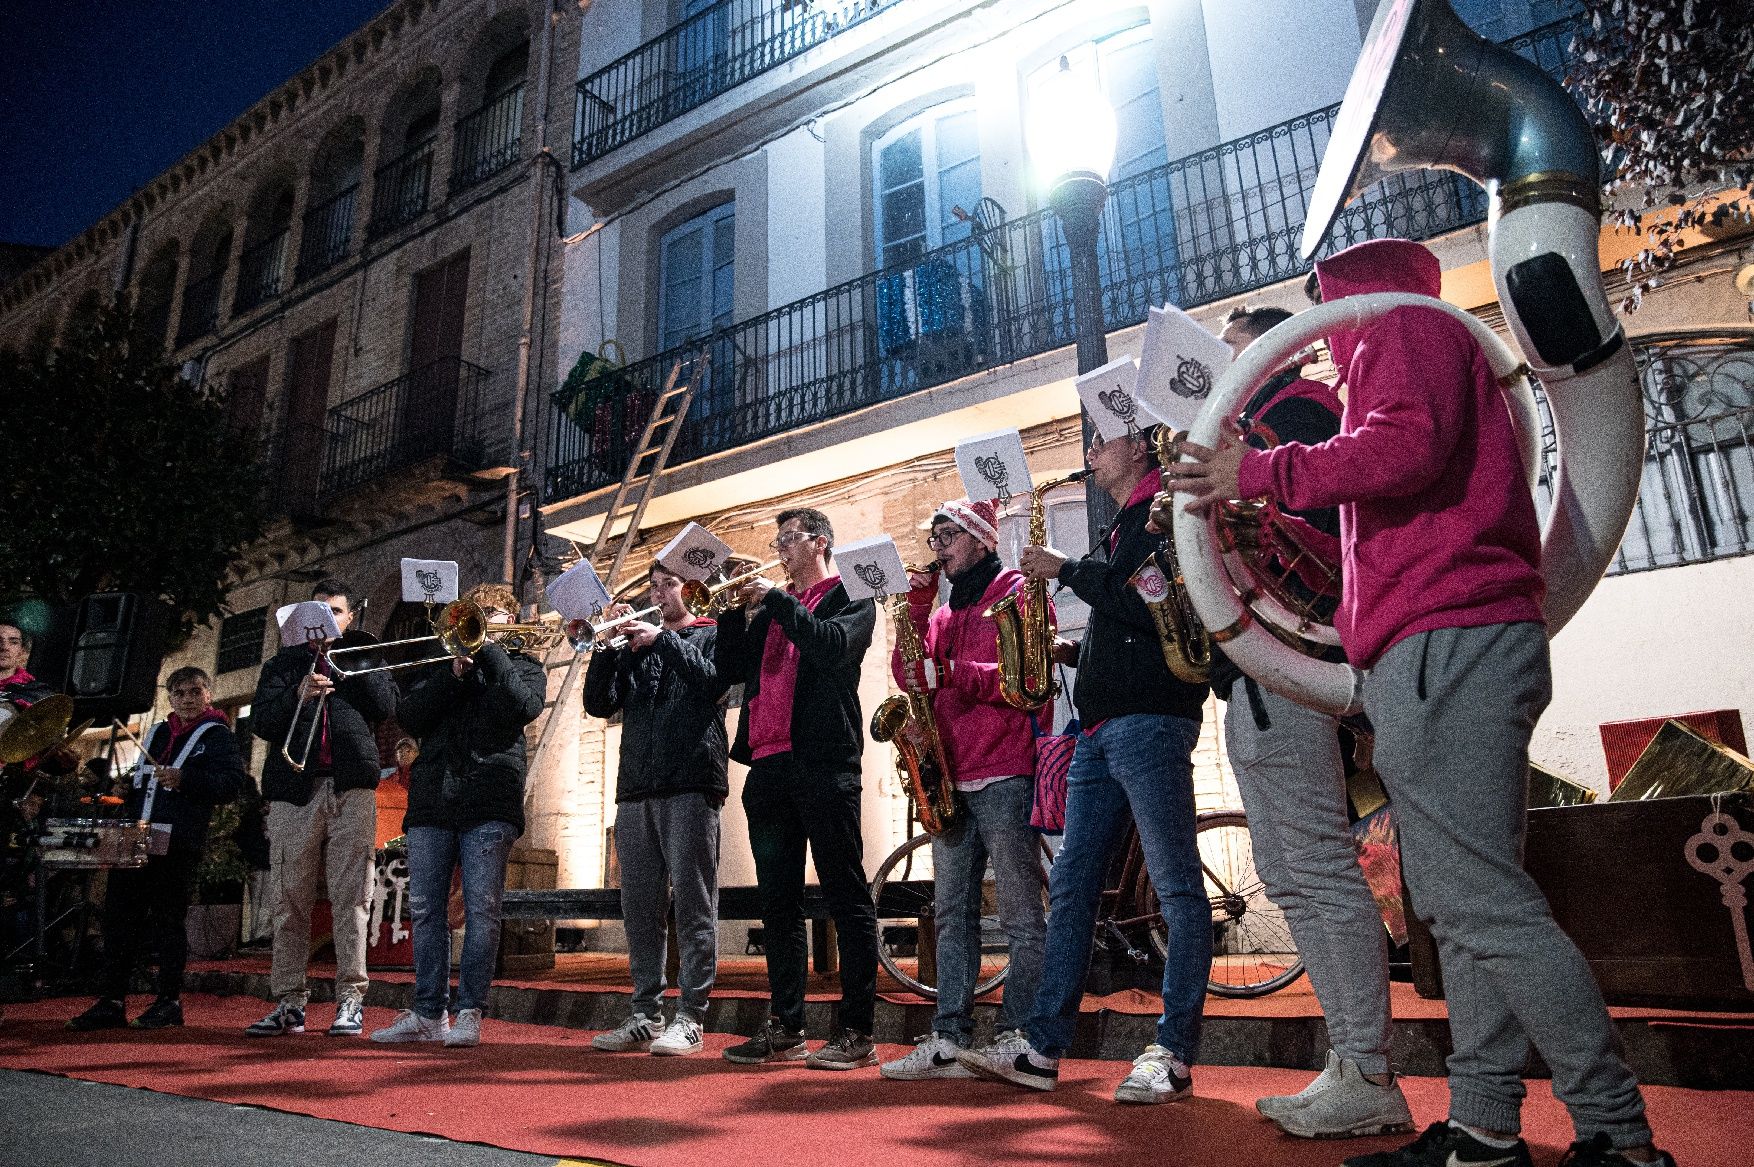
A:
x,y
989,744
1135,755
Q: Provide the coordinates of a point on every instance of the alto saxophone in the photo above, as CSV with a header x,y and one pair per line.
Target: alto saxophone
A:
x,y
906,719
1025,623
1187,649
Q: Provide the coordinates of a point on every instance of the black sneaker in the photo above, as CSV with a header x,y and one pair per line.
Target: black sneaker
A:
x,y
1598,1151
161,1014
847,1050
106,1014
773,1042
1442,1145
286,1018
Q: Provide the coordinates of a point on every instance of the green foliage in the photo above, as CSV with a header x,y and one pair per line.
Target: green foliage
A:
x,y
1669,85
124,476
223,863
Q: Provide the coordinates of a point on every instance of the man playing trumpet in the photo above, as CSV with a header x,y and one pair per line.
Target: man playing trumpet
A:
x,y
990,747
669,789
797,652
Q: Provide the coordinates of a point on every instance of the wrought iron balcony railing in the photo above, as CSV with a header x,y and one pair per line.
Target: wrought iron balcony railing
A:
x,y
710,53
432,411
200,308
1212,225
261,273
327,234
488,140
402,188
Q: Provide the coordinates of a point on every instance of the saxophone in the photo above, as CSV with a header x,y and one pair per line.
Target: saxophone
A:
x,y
1187,649
906,719
1026,626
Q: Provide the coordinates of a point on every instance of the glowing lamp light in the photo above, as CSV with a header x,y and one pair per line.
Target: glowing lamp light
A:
x,y
1071,126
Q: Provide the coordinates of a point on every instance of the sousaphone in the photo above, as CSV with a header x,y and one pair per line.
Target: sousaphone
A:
x,y
1428,92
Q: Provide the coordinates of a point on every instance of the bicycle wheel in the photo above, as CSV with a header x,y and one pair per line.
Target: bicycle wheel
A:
x,y
1253,953
903,889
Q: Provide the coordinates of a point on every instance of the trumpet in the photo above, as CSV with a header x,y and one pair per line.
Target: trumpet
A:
x,y
460,628
707,600
698,598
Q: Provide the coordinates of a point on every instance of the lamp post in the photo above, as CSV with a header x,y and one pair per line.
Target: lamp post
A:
x,y
1072,144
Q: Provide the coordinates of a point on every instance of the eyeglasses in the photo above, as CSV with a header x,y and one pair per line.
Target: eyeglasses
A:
x,y
789,538
939,540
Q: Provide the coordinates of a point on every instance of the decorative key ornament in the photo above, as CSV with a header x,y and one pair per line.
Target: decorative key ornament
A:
x,y
1724,851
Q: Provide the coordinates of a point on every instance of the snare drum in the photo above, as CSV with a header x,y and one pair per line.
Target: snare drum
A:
x,y
93,843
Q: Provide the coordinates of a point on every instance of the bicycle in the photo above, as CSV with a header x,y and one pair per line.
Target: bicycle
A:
x,y
1253,953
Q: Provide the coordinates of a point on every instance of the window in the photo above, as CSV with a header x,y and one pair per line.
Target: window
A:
x,y
1125,69
695,277
240,640
924,169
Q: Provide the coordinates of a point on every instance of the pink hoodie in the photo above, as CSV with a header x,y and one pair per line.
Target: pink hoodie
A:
x,y
984,738
1437,524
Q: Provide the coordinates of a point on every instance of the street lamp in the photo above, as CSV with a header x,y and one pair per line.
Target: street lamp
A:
x,y
1071,135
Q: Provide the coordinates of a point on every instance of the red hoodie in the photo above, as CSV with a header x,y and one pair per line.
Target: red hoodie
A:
x,y
1437,524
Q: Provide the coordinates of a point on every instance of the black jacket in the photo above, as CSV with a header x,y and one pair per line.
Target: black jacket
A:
x,y
356,706
26,693
828,729
471,732
214,774
1120,663
672,707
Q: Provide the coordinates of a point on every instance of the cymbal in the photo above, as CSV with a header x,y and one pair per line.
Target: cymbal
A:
x,y
36,729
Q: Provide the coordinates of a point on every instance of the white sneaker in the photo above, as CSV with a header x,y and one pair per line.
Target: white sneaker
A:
x,y
465,1028
1349,1106
1157,1076
933,1057
411,1026
1012,1059
636,1033
1277,1106
681,1036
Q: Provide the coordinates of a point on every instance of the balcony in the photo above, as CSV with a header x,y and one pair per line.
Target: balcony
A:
x,y
200,308
402,189
261,273
710,53
328,231
433,412
488,140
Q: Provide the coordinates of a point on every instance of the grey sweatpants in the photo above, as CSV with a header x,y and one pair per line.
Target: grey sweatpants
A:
x,y
1453,710
670,845
1294,790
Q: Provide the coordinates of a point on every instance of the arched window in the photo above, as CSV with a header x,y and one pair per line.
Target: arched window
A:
x,y
922,170
152,303
334,191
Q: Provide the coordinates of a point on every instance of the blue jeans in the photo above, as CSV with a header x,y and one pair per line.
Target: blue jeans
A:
x,y
1140,763
433,853
998,827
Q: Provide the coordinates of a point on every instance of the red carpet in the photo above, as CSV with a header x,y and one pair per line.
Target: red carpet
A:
x,y
542,1089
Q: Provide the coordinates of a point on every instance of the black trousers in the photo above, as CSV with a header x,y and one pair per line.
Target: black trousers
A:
x,y
145,909
790,809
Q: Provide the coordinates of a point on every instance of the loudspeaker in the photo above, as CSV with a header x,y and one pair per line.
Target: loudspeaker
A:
x,y
118,646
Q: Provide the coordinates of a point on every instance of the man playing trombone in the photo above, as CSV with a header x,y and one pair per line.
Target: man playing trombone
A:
x,y
322,810
669,789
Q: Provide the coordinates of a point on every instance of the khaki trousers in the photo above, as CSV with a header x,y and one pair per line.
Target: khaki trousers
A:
x,y
347,824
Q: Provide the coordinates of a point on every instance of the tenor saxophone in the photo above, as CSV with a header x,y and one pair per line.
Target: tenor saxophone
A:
x,y
906,719
1025,623
1187,649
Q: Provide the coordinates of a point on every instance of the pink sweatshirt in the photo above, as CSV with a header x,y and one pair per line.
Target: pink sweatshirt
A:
x,y
984,738
1437,524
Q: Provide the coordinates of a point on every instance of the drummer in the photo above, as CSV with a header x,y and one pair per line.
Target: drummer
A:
x,y
17,685
198,767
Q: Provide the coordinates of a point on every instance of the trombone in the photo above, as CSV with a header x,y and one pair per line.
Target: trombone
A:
x,y
460,628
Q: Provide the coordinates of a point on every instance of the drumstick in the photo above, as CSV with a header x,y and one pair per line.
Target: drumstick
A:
x,y
144,752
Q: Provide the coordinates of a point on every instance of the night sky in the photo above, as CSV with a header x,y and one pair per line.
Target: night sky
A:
x,y
98,96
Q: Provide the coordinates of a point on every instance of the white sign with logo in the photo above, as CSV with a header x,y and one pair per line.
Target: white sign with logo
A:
x,y
1180,364
1109,397
429,581
993,466
303,622
577,593
871,568
695,553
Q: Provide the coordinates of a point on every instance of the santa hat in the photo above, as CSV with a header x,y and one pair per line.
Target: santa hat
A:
x,y
980,519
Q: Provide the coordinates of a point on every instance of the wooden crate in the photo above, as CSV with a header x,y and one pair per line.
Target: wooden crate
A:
x,y
528,945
